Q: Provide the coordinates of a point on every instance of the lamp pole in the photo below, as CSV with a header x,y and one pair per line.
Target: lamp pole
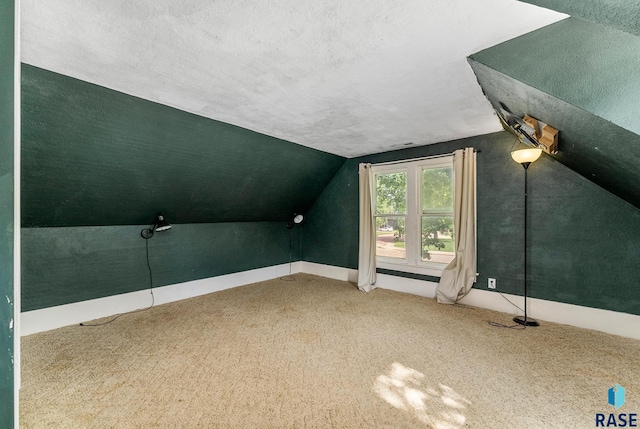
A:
x,y
526,157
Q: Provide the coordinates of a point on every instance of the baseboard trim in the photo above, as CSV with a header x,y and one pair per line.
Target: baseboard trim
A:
x,y
597,319
329,271
611,322
70,314
384,281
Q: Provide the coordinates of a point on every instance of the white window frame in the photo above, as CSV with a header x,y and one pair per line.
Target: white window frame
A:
x,y
413,262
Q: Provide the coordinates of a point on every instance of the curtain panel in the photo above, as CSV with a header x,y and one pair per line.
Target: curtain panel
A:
x,y
460,274
367,238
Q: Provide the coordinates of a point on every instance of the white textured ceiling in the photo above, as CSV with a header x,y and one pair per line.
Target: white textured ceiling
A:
x,y
346,77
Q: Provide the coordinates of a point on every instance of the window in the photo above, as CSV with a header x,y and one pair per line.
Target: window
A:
x,y
390,214
437,214
414,215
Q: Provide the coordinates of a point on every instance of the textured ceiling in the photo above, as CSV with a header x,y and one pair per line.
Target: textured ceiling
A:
x,y
349,78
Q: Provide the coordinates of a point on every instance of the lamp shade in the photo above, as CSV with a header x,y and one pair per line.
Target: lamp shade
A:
x,y
161,223
296,219
523,156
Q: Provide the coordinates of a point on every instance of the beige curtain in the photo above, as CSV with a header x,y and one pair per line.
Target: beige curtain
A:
x,y
367,242
458,277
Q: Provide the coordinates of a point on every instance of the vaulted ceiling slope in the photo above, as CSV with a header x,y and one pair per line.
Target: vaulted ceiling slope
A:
x,y
94,156
348,78
583,79
621,14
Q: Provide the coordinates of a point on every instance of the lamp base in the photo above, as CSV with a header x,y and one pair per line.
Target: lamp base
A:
x,y
526,321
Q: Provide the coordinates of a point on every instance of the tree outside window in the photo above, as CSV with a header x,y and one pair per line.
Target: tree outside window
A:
x,y
414,213
437,213
390,214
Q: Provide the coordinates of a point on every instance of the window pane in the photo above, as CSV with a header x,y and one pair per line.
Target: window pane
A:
x,y
391,193
437,189
437,239
390,236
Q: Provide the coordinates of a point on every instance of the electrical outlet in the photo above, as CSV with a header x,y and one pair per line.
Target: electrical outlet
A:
x,y
491,284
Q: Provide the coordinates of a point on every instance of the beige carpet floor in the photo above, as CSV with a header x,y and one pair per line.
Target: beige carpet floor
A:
x,y
318,353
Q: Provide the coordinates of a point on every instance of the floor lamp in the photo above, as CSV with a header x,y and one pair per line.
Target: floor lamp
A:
x,y
296,219
525,157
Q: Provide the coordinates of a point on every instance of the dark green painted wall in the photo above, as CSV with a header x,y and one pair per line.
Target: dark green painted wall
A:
x,y
584,241
587,87
581,78
65,265
331,226
7,56
621,14
93,156
98,165
602,152
590,66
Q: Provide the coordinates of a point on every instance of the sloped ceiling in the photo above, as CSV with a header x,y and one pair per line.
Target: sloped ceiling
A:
x,y
584,79
620,14
94,156
348,78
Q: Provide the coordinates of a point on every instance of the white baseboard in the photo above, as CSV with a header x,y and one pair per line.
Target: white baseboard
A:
x,y
70,314
597,319
611,322
384,281
329,271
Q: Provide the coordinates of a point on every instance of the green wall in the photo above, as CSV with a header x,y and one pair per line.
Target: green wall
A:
x,y
590,66
7,228
99,164
65,265
93,156
584,242
620,14
586,86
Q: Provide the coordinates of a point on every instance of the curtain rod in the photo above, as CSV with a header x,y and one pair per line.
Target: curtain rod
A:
x,y
400,161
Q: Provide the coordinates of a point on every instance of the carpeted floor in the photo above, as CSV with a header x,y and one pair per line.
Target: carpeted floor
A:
x,y
318,353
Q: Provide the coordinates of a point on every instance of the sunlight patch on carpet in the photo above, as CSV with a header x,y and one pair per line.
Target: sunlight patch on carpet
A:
x,y
404,389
